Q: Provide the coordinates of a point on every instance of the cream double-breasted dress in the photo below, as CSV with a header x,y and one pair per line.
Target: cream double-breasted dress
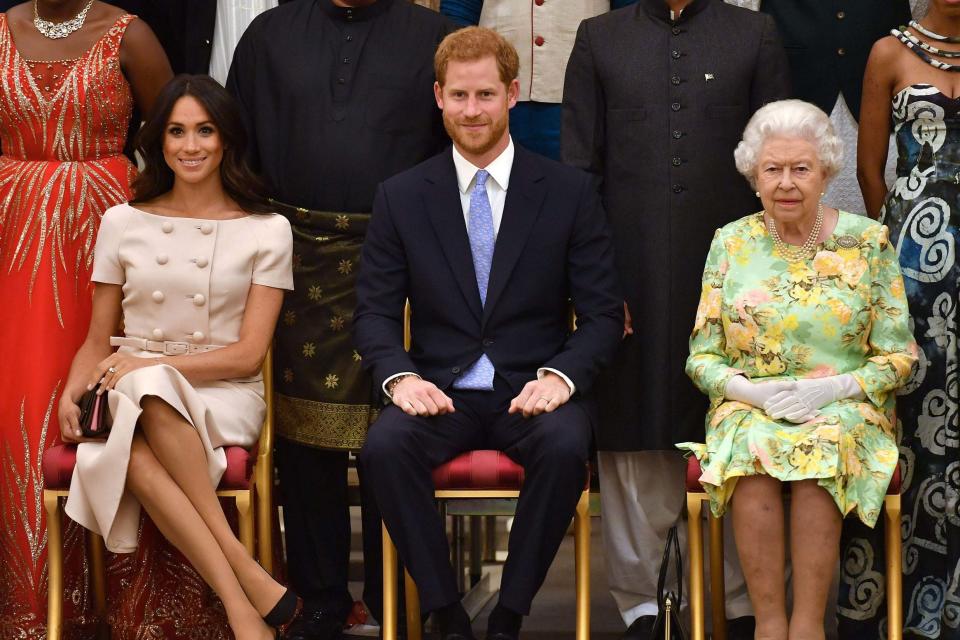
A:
x,y
184,280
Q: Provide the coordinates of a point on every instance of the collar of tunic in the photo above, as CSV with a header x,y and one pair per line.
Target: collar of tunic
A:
x,y
659,10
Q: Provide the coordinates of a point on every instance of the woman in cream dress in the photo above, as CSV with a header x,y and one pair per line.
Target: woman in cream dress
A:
x,y
196,273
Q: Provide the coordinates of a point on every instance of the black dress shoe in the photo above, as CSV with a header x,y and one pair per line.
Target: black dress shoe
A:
x,y
455,636
741,628
640,629
316,624
503,635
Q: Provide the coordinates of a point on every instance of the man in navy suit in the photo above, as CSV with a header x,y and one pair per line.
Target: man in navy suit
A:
x,y
491,244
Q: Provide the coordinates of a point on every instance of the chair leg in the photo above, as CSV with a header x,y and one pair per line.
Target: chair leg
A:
x,y
717,587
581,537
98,570
246,519
695,549
894,568
51,503
264,514
389,622
412,600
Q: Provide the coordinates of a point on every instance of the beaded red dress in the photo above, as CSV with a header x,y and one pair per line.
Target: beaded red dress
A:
x,y
63,126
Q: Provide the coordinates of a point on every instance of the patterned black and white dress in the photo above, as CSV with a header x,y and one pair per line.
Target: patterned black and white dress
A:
x,y
922,211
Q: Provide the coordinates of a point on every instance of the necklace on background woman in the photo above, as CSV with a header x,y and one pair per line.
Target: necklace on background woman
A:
x,y
804,251
919,28
57,30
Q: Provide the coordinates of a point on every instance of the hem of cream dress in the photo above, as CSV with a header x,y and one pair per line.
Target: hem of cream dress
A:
x,y
98,497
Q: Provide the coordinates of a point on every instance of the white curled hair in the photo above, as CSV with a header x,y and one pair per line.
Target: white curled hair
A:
x,y
793,119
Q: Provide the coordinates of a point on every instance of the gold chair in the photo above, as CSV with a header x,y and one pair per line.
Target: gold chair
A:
x,y
697,497
505,478
250,489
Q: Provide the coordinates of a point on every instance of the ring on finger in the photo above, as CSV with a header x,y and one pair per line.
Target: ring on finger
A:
x,y
545,399
111,369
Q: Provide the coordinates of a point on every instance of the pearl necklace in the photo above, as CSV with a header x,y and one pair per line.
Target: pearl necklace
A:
x,y
796,254
57,30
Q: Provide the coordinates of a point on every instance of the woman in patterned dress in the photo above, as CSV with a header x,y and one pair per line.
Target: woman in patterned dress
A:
x,y
800,339
914,69
65,104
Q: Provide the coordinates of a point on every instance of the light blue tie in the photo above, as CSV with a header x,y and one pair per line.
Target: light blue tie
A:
x,y
480,374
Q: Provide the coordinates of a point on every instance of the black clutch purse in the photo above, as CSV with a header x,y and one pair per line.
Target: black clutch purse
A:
x,y
94,414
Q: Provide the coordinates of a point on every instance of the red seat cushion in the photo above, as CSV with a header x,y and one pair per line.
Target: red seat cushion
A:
x,y
694,473
481,469
58,463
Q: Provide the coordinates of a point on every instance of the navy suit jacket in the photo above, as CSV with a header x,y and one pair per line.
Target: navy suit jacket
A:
x,y
553,248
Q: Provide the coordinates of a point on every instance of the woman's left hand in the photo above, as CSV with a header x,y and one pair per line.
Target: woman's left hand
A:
x,y
109,371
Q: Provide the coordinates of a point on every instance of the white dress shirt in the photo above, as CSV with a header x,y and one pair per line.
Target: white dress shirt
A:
x,y
496,185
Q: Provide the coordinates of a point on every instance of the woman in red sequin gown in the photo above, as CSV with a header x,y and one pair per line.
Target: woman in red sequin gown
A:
x,y
65,108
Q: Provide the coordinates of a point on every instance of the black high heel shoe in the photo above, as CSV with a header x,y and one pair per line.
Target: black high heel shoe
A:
x,y
287,611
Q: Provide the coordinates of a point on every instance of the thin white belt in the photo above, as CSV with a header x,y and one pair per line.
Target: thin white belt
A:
x,y
166,347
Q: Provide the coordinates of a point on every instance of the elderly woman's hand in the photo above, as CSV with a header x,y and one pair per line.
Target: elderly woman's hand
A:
x,y
741,389
802,403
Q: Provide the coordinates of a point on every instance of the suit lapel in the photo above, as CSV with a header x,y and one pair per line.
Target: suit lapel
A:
x,y
524,198
446,215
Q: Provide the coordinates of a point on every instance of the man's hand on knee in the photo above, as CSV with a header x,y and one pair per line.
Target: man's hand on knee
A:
x,y
541,396
417,397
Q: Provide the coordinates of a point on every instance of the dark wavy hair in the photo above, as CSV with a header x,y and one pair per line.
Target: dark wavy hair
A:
x,y
239,181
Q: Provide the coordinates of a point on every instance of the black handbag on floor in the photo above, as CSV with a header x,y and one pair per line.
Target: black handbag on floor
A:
x,y
668,624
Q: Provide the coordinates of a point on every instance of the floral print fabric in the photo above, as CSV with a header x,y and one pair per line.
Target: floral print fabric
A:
x,y
842,311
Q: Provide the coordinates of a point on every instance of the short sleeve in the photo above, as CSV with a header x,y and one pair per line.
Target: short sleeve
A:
x,y
274,262
106,253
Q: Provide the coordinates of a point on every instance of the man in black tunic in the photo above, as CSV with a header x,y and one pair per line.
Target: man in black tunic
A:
x,y
339,97
655,99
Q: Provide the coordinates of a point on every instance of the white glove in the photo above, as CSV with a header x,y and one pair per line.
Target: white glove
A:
x,y
741,389
802,403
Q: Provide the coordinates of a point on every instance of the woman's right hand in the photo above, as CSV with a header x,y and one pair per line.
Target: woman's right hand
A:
x,y
68,415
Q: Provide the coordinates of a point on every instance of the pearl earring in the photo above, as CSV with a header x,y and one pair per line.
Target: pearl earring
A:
x,y
758,193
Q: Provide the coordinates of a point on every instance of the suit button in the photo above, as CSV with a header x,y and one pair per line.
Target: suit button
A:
x,y
841,15
675,106
539,41
341,81
199,300
676,162
455,370
675,31
675,80
167,227
675,54
677,188
206,228
158,334
163,258
202,262
677,134
197,336
158,296
487,342
841,51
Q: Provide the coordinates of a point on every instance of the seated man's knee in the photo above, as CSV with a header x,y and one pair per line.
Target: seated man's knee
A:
x,y
388,435
568,441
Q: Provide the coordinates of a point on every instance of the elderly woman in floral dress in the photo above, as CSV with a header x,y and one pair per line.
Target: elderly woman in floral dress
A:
x,y
800,340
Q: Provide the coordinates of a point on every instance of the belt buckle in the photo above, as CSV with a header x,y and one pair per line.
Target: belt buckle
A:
x,y
175,348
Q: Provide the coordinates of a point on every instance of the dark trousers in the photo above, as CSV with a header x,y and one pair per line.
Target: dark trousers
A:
x,y
401,451
313,483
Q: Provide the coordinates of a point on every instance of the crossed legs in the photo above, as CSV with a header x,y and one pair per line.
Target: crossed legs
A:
x,y
168,475
814,546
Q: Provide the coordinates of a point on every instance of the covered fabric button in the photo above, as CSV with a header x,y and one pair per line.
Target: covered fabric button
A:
x,y
163,258
158,296
198,335
158,334
202,262
167,227
206,228
198,299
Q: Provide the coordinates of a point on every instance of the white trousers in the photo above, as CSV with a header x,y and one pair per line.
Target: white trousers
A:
x,y
642,495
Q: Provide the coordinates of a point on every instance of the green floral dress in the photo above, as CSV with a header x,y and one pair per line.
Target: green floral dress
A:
x,y
842,311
